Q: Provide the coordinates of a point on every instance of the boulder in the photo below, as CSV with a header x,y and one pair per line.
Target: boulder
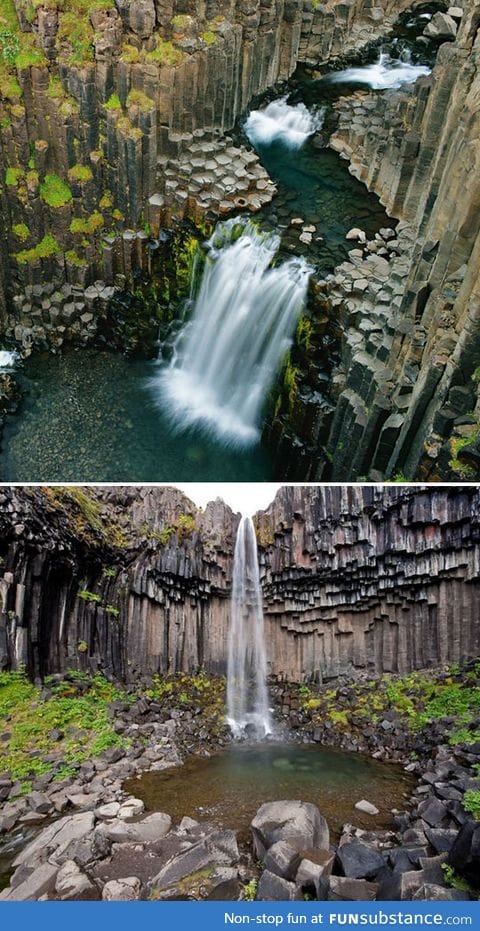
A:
x,y
343,889
107,812
272,888
464,856
71,883
299,823
359,861
39,882
441,26
367,807
122,890
54,840
429,892
314,871
146,831
282,859
131,808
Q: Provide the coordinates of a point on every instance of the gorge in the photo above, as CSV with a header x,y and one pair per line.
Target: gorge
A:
x,y
122,145
121,611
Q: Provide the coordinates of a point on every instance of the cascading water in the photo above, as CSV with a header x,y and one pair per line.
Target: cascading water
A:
x,y
386,73
280,121
243,321
247,696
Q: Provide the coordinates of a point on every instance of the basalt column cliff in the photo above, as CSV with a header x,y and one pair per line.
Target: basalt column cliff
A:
x,y
134,582
121,145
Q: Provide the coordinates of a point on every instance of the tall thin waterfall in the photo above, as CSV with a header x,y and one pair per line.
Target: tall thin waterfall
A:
x,y
247,696
243,320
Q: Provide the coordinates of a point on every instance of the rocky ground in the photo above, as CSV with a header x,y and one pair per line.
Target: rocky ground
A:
x,y
87,838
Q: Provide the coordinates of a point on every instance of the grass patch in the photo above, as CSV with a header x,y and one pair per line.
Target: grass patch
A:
x,y
81,719
84,516
139,99
130,54
113,103
165,53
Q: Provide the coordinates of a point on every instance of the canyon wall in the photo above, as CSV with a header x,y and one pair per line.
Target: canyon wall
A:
x,y
368,579
114,121
384,579
153,573
407,390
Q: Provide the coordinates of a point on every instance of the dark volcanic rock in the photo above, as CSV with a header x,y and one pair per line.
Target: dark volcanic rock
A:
x,y
298,823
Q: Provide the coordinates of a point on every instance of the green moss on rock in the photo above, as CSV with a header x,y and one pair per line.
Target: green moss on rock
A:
x,y
45,249
80,173
21,231
54,191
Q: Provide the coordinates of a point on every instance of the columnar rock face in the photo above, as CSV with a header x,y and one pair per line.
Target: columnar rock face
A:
x,y
332,29
97,106
148,593
370,579
377,579
409,400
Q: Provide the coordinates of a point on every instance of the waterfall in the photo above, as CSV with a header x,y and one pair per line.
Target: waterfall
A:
x,y
280,121
386,73
247,696
242,323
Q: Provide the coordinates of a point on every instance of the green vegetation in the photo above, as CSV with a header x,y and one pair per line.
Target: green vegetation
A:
x,y
55,192
165,53
45,249
73,258
29,55
183,527
130,55
471,802
417,700
140,100
126,127
13,176
113,103
89,596
304,334
10,88
250,890
35,723
106,201
21,231
290,383
265,536
88,226
456,445
84,516
208,37
80,173
181,22
453,880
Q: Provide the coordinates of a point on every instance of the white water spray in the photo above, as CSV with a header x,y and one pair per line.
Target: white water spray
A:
x,y
8,360
247,696
386,73
280,121
243,321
